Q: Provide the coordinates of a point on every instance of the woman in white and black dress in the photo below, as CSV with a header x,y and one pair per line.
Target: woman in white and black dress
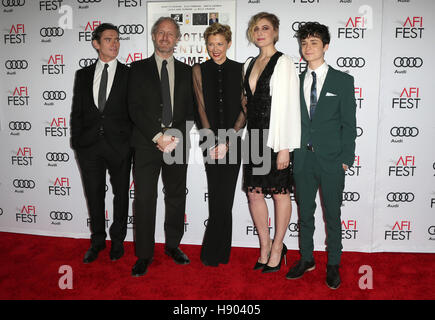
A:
x,y
272,89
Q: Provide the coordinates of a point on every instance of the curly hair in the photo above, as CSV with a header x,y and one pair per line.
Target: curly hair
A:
x,y
217,28
314,29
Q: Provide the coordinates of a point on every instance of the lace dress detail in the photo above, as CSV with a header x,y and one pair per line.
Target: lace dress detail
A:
x,y
258,115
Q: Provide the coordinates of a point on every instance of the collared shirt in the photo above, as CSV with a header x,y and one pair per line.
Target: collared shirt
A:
x,y
111,70
171,74
320,75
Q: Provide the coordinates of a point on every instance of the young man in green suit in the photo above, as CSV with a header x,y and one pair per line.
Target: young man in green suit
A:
x,y
327,149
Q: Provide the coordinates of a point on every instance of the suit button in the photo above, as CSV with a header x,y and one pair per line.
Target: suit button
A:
x,y
159,119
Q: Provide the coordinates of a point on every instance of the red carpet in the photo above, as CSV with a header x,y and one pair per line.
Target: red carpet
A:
x,y
29,269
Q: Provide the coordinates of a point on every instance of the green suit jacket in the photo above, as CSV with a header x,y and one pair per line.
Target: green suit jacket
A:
x,y
332,131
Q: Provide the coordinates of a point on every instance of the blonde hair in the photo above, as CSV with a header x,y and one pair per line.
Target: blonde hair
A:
x,y
217,28
273,19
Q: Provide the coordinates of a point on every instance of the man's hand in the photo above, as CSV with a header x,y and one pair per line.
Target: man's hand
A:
x,y
167,143
345,167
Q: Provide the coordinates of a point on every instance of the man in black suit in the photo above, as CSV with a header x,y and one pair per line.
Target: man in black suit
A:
x,y
160,104
100,135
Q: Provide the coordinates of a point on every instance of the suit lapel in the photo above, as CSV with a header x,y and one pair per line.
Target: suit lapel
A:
x,y
177,85
304,111
90,85
115,84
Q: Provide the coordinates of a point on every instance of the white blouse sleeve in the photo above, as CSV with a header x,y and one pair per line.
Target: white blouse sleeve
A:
x,y
285,114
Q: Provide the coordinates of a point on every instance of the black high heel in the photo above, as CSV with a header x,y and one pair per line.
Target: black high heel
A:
x,y
268,269
260,265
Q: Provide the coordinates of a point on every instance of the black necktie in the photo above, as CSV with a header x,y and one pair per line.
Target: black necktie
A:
x,y
102,92
313,96
166,95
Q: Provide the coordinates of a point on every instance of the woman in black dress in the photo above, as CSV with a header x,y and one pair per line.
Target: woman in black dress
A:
x,y
272,89
218,86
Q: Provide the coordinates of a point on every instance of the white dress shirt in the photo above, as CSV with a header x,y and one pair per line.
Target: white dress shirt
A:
x,y
308,81
97,77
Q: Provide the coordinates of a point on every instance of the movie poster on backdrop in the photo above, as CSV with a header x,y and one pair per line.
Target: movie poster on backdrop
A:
x,y
193,17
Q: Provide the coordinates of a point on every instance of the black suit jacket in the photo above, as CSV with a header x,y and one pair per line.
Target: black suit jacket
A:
x,y
86,119
145,101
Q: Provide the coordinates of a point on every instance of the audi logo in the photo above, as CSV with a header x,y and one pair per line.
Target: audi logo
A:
x,y
16,64
404,131
51,32
131,29
86,62
408,62
431,230
400,197
88,1
351,62
57,156
351,196
61,215
297,24
20,125
54,95
13,3
23,184
359,131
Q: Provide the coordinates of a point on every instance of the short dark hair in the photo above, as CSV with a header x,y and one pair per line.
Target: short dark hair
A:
x,y
314,29
98,31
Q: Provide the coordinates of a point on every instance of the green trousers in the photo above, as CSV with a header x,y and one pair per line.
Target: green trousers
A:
x,y
331,184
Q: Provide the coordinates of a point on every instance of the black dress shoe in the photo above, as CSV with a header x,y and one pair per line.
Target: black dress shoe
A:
x,y
300,268
333,277
177,255
140,267
116,252
259,266
92,254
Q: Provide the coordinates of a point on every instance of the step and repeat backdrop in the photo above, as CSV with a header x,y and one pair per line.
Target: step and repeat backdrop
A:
x,y
389,197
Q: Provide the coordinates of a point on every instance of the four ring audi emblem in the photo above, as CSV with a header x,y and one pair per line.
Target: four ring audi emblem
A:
x,y
57,156
404,131
351,196
351,62
54,95
23,183
88,1
131,29
297,24
20,125
410,62
85,62
16,64
400,197
51,32
13,3
61,215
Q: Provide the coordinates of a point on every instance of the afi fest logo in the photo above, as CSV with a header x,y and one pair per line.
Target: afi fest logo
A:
x,y
57,128
27,214
400,231
409,99
23,157
355,169
348,229
132,57
412,28
86,35
359,97
19,97
55,65
405,166
130,3
60,187
16,34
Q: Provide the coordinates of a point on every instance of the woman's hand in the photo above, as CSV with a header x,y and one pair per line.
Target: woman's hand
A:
x,y
283,159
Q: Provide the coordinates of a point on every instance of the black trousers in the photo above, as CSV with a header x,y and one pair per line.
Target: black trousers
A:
x,y
94,161
221,180
148,162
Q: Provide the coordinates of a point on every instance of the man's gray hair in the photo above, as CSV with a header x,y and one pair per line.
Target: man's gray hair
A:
x,y
160,20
